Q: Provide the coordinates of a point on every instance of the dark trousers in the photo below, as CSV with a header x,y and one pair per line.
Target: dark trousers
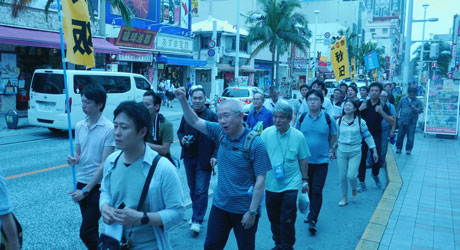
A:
x,y
375,165
198,183
317,174
406,128
282,212
219,226
89,207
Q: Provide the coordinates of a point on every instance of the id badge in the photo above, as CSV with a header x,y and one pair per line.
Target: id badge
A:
x,y
279,171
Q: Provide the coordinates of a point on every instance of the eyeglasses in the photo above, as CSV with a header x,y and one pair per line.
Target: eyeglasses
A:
x,y
225,116
314,99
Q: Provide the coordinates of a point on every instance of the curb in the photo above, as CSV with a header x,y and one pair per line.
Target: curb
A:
x,y
372,235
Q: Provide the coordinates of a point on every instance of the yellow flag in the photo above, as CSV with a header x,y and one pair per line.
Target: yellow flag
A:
x,y
339,59
77,32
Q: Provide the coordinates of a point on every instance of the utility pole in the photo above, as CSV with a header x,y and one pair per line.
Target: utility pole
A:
x,y
214,62
408,44
422,63
237,52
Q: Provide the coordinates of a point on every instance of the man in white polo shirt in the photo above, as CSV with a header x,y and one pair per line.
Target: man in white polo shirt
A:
x,y
94,142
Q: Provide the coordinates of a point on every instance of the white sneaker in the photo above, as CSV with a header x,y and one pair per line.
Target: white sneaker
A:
x,y
195,228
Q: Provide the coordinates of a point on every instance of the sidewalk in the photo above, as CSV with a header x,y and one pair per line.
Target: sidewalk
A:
x,y
426,214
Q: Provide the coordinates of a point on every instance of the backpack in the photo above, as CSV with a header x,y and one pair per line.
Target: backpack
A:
x,y
328,119
246,150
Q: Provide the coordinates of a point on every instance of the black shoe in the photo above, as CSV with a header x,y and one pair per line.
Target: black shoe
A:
x,y
312,227
277,248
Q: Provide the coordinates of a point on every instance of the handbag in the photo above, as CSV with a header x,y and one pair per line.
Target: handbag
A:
x,y
109,243
4,241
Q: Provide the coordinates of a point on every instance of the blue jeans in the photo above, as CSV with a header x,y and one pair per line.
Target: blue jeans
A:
x,y
219,226
282,212
317,174
406,128
198,183
383,152
89,207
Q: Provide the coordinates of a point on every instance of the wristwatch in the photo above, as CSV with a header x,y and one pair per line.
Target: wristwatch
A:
x,y
85,193
145,219
252,212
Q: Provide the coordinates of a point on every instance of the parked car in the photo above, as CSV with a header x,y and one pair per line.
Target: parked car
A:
x,y
47,97
243,94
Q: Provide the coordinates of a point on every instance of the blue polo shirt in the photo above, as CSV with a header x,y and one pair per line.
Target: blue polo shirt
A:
x,y
316,132
391,107
236,174
265,116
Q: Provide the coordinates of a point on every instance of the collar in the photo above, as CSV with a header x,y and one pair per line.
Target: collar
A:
x,y
100,122
261,110
245,131
148,157
288,132
319,115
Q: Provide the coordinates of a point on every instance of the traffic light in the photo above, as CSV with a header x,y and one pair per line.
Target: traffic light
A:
x,y
434,66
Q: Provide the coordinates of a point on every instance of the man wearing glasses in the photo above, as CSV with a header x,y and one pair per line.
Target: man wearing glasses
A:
x,y
199,155
320,133
241,180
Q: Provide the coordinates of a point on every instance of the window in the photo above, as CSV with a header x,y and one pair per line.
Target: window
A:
x,y
235,92
142,83
204,42
385,31
48,83
111,84
372,30
243,44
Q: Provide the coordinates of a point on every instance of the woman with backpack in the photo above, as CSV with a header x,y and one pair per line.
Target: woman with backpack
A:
x,y
351,131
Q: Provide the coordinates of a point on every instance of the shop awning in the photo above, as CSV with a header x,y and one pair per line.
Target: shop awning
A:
x,y
47,39
229,68
180,61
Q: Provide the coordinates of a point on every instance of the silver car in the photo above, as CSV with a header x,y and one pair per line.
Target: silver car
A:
x,y
243,94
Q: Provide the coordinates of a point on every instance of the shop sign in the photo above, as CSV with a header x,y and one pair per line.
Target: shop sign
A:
x,y
194,9
135,57
299,63
136,38
173,43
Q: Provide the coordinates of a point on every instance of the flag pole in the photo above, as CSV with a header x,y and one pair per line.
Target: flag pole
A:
x,y
66,90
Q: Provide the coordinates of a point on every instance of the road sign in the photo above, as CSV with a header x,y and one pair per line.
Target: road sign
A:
x,y
327,35
211,52
211,44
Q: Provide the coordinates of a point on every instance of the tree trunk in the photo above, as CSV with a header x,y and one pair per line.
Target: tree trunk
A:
x,y
277,68
272,75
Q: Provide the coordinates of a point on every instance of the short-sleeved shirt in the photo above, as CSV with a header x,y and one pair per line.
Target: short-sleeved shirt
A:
x,y
406,113
317,132
269,104
391,107
265,116
373,119
236,174
289,148
165,134
5,207
92,142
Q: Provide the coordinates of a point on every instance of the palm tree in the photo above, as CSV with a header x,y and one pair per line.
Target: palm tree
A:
x,y
349,36
126,13
279,27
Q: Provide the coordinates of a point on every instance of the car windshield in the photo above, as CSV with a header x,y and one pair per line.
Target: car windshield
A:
x,y
235,92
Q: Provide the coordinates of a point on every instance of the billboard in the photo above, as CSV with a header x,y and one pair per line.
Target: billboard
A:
x,y
171,16
442,107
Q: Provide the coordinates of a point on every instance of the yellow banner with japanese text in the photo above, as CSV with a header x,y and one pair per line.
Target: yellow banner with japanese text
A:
x,y
77,32
339,59
194,9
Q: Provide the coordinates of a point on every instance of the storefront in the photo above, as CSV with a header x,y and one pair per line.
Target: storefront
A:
x,y
262,74
24,50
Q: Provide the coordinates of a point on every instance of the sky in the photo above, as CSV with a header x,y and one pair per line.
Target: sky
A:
x,y
442,9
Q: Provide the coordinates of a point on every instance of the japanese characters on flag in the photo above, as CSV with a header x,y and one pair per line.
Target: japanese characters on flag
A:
x,y
77,32
339,59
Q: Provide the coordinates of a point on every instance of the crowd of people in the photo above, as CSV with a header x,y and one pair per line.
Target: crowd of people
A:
x,y
279,153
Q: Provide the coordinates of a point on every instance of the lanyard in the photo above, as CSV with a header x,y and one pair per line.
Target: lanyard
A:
x,y
287,144
154,132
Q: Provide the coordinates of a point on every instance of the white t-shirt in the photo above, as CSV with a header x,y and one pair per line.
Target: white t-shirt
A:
x,y
269,104
92,142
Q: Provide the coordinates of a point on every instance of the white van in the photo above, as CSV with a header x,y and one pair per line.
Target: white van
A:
x,y
47,96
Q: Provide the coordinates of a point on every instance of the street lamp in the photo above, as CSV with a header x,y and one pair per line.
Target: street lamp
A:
x,y
237,48
422,63
316,12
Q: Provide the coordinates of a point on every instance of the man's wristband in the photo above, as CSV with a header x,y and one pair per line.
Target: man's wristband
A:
x,y
305,179
85,193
